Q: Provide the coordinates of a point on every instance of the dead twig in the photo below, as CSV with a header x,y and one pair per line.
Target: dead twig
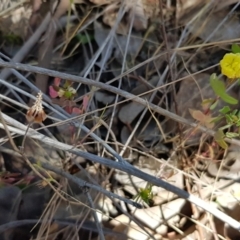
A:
x,y
129,96
122,166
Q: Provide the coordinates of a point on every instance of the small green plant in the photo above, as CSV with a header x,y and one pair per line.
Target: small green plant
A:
x,y
66,92
230,67
84,38
66,95
219,89
12,39
145,194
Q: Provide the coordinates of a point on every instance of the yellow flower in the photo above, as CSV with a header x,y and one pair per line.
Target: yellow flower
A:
x,y
230,65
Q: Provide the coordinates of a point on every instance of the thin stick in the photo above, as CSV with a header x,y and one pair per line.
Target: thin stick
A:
x,y
25,67
100,231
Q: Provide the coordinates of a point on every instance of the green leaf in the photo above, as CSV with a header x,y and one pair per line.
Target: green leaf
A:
x,y
222,144
228,119
232,134
83,38
219,138
235,48
228,99
68,94
217,85
216,119
225,110
219,135
67,84
214,105
234,118
146,194
220,90
206,101
225,127
234,112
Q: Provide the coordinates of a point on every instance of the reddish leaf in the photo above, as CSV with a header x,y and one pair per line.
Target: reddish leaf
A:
x,y
52,92
198,115
73,110
57,81
68,109
76,110
204,119
85,103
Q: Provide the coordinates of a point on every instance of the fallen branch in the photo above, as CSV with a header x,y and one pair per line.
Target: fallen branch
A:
x,y
123,166
107,87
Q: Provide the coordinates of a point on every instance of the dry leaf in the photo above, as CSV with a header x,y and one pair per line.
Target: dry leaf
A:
x,y
104,97
85,103
202,118
142,10
118,43
204,26
109,18
131,110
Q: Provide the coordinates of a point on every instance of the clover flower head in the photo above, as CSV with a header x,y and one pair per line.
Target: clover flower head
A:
x,y
230,65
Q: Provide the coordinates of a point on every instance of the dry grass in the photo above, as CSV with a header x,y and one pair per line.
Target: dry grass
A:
x,y
127,116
